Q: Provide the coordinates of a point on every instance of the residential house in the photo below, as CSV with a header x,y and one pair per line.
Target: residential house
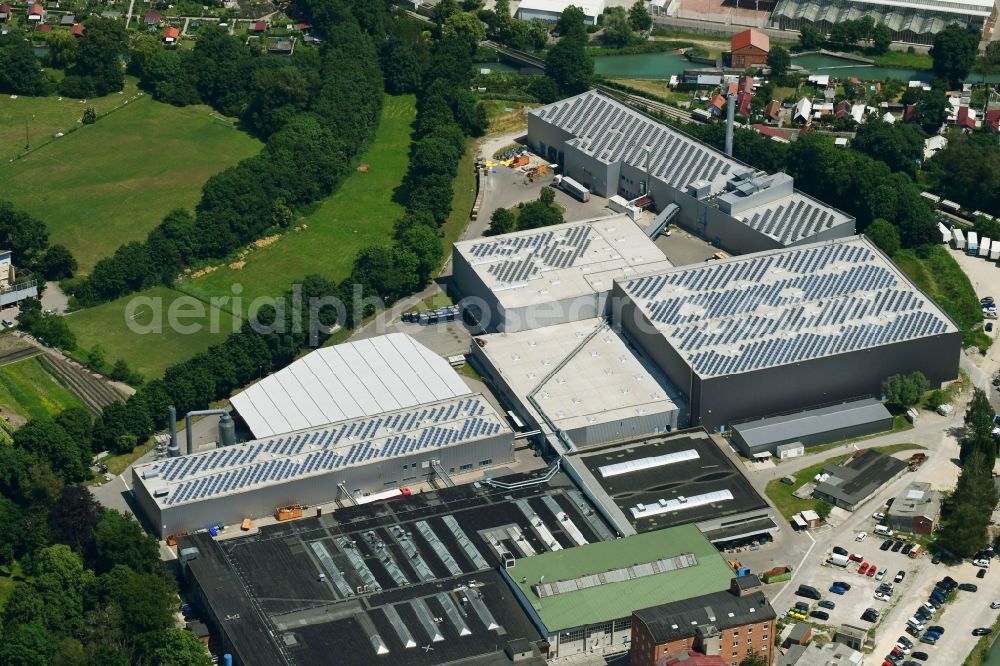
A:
x,y
36,13
77,30
744,95
45,27
966,118
716,105
993,119
152,18
803,111
749,49
772,112
66,20
933,144
260,26
843,110
171,35
4,12
774,134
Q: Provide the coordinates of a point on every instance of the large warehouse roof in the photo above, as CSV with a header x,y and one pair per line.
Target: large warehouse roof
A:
x,y
792,218
785,306
610,132
601,582
348,381
562,261
283,458
580,373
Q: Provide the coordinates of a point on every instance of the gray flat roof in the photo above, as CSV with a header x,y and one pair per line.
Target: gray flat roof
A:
x,y
581,373
283,458
610,132
766,431
561,261
785,306
348,381
861,476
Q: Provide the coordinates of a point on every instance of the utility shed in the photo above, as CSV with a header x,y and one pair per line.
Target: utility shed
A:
x,y
811,427
539,277
581,379
853,481
581,599
786,329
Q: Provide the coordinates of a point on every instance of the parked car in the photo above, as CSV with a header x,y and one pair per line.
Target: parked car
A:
x,y
930,640
937,629
820,615
837,550
881,574
969,587
856,557
994,605
840,583
879,596
912,631
981,631
886,545
870,615
936,559
878,515
861,536
801,605
922,656
906,549
981,573
836,589
826,603
863,569
896,545
904,641
900,575
871,571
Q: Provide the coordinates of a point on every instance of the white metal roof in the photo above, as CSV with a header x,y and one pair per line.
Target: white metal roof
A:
x,y
348,381
590,7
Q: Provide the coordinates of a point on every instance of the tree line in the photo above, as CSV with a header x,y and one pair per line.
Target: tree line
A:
x,y
27,238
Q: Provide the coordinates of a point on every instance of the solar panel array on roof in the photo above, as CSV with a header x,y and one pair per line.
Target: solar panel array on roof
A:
x,y
611,132
540,252
792,219
238,467
785,306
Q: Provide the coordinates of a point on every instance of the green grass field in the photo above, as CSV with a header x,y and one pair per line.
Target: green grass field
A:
x,y
27,391
47,115
360,213
111,182
149,353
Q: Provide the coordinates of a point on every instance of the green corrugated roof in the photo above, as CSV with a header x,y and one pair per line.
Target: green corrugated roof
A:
x,y
617,600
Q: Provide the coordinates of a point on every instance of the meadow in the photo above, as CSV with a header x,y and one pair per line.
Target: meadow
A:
x,y
109,183
27,390
150,353
327,240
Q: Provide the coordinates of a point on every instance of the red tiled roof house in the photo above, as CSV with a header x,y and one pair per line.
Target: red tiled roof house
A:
x,y
749,48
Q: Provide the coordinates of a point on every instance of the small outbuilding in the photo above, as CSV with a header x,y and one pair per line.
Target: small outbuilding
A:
x,y
916,509
749,49
850,483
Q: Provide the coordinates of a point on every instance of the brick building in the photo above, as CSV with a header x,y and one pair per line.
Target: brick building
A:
x,y
749,49
724,624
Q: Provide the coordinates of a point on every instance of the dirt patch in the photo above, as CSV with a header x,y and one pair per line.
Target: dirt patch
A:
x,y
203,271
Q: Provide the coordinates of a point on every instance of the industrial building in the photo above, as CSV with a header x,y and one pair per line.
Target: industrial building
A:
x,y
916,509
913,21
548,11
412,581
580,383
725,625
854,418
581,599
761,334
669,480
850,483
539,277
612,149
821,654
342,459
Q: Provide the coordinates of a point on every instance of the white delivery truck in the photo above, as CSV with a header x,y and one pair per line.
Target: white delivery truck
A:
x,y
984,248
995,250
959,238
972,243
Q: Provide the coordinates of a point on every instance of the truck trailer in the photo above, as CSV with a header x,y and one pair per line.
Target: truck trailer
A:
x,y
984,248
972,244
995,250
945,232
958,238
573,188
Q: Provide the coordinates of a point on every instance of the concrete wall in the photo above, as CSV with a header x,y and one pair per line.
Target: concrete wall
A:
x,y
375,477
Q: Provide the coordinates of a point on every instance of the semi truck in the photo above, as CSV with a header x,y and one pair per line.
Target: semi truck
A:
x,y
972,244
995,250
572,188
984,248
958,238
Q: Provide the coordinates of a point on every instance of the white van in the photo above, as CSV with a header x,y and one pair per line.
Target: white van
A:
x,y
883,530
915,623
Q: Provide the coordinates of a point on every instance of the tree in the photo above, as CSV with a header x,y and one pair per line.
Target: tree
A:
x,y
536,214
779,60
62,49
979,426
423,241
617,28
881,38
60,580
822,509
572,21
899,146
932,110
544,89
171,647
47,440
904,390
810,38
954,52
754,658
466,28
885,235
502,221
401,67
976,183
89,116
58,263
98,55
569,65
120,540
74,518
967,513
638,17
20,73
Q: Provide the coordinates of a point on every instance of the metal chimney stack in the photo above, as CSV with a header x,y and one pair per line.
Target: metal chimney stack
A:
x,y
173,450
730,120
